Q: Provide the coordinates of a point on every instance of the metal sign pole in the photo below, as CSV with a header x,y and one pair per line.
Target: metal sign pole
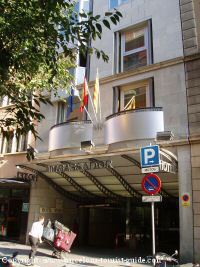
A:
x,y
151,184
153,229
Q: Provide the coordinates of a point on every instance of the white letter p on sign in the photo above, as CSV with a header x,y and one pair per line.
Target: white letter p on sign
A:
x,y
149,153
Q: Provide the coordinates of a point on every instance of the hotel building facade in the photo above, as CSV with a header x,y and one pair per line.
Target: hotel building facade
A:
x,y
87,171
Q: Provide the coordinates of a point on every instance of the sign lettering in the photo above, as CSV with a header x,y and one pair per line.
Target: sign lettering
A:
x,y
50,210
28,177
167,167
148,154
69,167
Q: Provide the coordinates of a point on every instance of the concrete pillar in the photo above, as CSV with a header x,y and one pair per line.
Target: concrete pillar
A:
x,y
43,195
185,213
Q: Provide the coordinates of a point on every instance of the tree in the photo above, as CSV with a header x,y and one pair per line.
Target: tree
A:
x,y
39,41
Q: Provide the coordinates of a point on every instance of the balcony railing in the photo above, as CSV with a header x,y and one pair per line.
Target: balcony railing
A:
x,y
137,124
69,135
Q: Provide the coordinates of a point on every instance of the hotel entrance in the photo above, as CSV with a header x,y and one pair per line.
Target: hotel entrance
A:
x,y
107,210
117,228
14,199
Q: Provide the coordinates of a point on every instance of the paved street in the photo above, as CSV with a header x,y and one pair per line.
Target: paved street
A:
x,y
74,259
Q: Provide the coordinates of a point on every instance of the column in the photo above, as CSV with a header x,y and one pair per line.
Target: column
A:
x,y
185,213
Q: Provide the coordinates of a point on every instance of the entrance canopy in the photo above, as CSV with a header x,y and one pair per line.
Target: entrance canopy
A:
x,y
105,178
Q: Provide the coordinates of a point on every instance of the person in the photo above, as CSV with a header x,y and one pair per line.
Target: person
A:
x,y
35,237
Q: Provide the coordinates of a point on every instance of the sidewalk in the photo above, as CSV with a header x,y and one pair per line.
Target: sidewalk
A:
x,y
74,259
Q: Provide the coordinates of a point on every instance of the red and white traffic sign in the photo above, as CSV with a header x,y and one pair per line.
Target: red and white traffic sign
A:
x,y
185,200
151,184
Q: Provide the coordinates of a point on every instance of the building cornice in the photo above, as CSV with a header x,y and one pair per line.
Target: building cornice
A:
x,y
46,157
137,71
192,57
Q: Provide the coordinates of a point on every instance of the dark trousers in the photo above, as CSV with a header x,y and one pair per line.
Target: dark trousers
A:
x,y
34,245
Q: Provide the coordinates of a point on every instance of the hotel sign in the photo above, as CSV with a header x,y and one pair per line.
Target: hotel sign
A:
x,y
81,166
167,167
28,177
50,210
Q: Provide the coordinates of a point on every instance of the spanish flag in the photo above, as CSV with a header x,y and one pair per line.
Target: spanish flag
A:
x,y
84,101
96,93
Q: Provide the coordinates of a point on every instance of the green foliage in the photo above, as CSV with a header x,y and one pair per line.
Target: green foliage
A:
x,y
39,40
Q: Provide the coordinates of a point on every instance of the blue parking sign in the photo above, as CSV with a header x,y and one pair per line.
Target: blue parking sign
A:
x,y
150,156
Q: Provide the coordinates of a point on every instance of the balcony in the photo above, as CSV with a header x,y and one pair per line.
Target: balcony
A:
x,y
137,124
69,135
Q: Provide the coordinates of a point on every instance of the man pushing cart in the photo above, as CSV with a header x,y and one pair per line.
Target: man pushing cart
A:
x,y
59,237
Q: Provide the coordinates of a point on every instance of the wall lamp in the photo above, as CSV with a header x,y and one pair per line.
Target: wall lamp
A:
x,y
164,136
87,145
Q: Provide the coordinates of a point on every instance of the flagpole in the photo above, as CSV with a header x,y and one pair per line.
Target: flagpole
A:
x,y
88,115
92,104
86,110
99,96
129,102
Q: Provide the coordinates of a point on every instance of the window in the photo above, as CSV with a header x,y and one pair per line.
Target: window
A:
x,y
61,112
116,3
21,143
12,145
4,101
86,5
3,139
134,96
9,143
133,48
82,5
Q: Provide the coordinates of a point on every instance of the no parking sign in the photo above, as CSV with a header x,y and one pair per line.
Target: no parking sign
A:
x,y
151,184
185,198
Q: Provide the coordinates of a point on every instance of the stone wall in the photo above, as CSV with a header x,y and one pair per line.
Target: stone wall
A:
x,y
188,27
195,151
193,93
190,15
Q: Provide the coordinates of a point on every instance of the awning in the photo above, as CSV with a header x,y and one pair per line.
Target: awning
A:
x,y
105,178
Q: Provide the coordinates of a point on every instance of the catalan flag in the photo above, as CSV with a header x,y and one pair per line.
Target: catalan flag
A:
x,y
96,93
84,101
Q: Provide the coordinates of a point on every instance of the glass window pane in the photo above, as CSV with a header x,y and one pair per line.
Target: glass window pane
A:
x,y
135,60
21,143
76,7
61,114
134,40
113,3
135,98
9,143
2,143
86,5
